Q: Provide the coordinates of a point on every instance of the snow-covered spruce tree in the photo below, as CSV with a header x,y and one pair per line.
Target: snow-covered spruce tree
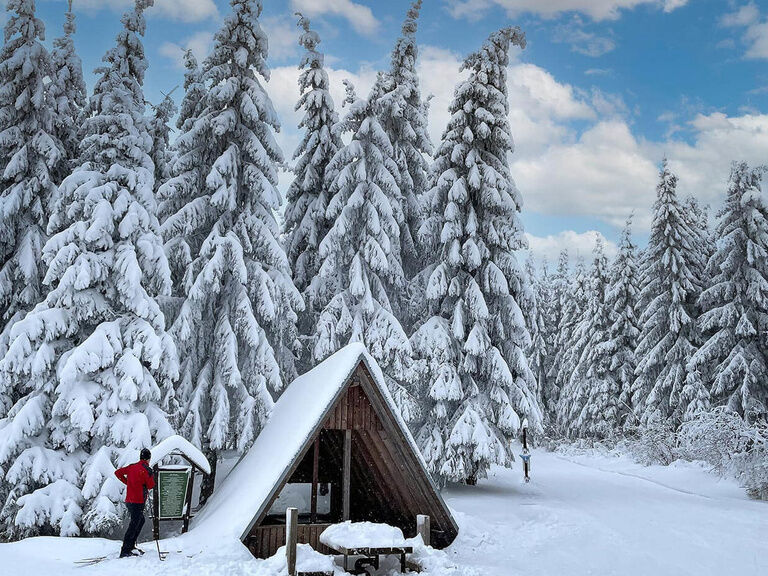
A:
x,y
403,116
482,387
575,299
359,260
236,327
734,357
160,132
194,93
186,171
560,294
668,331
68,94
539,324
702,246
624,327
93,356
30,155
588,404
306,223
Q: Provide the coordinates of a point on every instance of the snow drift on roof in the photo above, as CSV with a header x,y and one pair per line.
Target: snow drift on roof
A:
x,y
177,443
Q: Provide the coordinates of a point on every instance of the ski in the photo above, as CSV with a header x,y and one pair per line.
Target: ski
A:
x,y
91,561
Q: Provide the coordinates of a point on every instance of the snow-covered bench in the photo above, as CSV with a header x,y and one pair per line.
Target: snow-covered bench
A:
x,y
366,541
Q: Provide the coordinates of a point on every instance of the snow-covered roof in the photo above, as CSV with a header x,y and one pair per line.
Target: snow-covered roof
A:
x,y
178,444
296,415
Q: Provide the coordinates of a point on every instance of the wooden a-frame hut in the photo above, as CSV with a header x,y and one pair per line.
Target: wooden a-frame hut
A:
x,y
336,448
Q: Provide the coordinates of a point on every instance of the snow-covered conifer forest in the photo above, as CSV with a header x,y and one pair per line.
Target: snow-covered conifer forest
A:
x,y
155,278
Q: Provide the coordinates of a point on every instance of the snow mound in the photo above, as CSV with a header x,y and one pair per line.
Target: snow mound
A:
x,y
176,443
307,560
362,535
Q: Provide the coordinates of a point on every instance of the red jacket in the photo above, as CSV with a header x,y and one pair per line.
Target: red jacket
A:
x,y
139,480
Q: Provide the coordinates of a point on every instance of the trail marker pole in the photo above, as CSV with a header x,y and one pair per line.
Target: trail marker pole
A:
x,y
526,455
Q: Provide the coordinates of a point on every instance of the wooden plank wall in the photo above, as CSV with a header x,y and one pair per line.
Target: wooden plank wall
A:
x,y
266,540
353,412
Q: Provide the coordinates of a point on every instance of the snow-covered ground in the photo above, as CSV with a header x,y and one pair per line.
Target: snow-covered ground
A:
x,y
582,514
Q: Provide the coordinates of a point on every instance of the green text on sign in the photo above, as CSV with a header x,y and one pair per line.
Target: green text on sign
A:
x,y
172,488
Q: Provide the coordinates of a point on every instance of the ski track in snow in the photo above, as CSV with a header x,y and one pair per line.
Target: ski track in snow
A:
x,y
580,515
583,517
630,475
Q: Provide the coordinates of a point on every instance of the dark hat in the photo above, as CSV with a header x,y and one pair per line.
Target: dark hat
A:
x,y
145,454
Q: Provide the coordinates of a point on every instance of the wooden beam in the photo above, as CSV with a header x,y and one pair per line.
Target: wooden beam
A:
x,y
347,474
291,538
315,479
188,511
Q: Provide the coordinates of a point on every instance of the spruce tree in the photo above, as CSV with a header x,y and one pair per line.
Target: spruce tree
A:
x,y
306,223
160,132
668,331
30,157
403,116
575,298
186,173
560,296
624,327
93,356
588,400
236,326
359,257
483,387
68,94
733,362
539,323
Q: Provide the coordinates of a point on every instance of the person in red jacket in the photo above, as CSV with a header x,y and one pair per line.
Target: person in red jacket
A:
x,y
139,481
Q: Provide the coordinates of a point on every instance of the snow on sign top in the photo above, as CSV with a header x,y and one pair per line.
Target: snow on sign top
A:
x,y
178,444
295,416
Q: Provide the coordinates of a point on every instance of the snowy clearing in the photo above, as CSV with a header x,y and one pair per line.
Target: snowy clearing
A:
x,y
581,514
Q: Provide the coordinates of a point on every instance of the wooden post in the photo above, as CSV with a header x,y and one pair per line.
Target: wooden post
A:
x,y
315,480
188,503
156,505
291,538
422,528
347,474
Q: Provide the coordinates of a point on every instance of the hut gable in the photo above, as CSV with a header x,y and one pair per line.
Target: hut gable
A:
x,y
336,443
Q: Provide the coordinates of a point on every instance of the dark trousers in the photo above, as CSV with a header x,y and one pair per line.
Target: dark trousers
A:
x,y
134,526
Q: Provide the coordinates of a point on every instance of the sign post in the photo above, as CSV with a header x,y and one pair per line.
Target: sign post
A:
x,y
174,483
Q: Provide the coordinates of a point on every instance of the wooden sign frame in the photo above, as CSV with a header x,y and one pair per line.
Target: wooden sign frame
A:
x,y
187,515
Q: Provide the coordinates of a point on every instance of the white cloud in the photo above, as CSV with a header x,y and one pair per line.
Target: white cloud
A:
x,y
755,35
183,10
578,244
595,9
604,173
744,16
581,40
200,43
283,36
360,17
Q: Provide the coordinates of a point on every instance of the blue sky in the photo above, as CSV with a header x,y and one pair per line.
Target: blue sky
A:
x,y
604,90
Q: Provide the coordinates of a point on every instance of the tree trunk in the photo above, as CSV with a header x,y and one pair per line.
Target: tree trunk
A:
x,y
209,481
471,481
